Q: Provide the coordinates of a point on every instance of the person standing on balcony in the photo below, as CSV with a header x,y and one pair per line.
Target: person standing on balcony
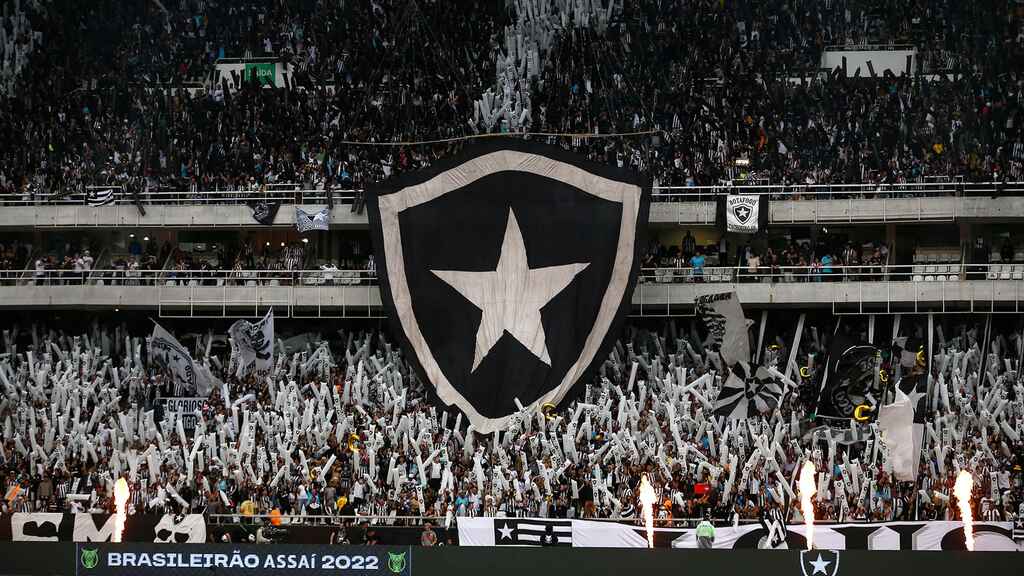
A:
x,y
697,261
689,246
980,257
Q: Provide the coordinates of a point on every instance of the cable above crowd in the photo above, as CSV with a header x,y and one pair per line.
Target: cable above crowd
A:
x,y
122,95
340,427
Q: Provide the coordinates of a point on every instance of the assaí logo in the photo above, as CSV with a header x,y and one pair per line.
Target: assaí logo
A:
x,y
396,562
90,558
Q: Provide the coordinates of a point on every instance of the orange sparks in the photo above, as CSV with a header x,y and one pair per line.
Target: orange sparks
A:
x,y
120,502
647,500
807,489
962,490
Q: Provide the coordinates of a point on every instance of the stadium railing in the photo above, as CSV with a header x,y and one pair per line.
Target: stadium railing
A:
x,y
933,272
296,194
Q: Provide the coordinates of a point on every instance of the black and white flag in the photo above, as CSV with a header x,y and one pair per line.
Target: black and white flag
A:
x,y
97,198
726,326
531,532
252,346
743,213
851,386
746,395
189,376
507,272
264,212
304,222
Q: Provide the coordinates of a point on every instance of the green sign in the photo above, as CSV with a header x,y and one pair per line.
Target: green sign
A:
x,y
396,562
265,73
89,558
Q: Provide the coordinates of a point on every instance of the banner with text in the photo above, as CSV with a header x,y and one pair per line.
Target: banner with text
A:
x,y
938,535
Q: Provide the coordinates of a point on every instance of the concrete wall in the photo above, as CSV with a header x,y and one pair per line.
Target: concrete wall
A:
x,y
685,213
648,299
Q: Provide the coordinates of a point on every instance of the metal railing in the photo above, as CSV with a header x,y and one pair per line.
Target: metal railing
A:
x,y
296,194
920,272
193,278
284,194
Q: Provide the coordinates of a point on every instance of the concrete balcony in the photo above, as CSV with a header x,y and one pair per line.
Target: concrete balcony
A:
x,y
660,292
694,206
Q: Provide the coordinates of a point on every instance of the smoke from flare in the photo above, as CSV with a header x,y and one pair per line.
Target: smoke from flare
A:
x,y
647,500
120,502
962,490
807,489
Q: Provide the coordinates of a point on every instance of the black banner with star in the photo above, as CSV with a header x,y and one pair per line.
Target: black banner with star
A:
x,y
507,272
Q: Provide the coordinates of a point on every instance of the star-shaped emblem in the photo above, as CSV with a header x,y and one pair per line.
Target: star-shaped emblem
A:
x,y
511,296
506,532
742,212
820,565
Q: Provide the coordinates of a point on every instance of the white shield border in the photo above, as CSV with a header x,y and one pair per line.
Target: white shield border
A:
x,y
391,205
803,565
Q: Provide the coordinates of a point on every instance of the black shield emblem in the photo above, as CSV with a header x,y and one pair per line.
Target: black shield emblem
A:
x,y
507,272
742,213
819,562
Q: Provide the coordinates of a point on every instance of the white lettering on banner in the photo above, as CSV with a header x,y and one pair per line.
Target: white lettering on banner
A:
x,y
86,531
186,406
937,535
35,526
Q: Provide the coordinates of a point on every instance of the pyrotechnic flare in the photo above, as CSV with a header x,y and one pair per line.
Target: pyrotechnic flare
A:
x,y
647,500
962,490
807,489
120,502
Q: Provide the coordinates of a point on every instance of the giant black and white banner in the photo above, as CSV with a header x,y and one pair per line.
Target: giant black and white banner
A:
x,y
189,376
58,527
252,346
507,272
937,535
743,213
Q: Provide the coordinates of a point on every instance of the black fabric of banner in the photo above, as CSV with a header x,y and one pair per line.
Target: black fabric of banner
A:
x,y
465,229
849,378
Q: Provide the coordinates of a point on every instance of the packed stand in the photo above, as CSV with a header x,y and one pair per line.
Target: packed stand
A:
x,y
828,259
340,428
134,108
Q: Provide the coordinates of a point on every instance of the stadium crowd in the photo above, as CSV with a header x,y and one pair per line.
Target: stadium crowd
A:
x,y
121,95
340,427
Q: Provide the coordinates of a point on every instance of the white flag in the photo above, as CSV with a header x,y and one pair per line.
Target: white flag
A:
x,y
742,212
252,346
896,424
165,350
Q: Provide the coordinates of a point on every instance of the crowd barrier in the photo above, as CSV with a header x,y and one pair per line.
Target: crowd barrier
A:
x,y
83,559
934,272
296,194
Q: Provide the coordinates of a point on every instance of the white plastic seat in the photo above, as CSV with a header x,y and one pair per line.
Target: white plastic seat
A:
x,y
929,278
250,283
954,269
1005,274
171,283
929,269
918,278
940,278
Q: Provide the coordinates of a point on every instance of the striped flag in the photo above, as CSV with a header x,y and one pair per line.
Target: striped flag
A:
x,y
97,198
531,532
